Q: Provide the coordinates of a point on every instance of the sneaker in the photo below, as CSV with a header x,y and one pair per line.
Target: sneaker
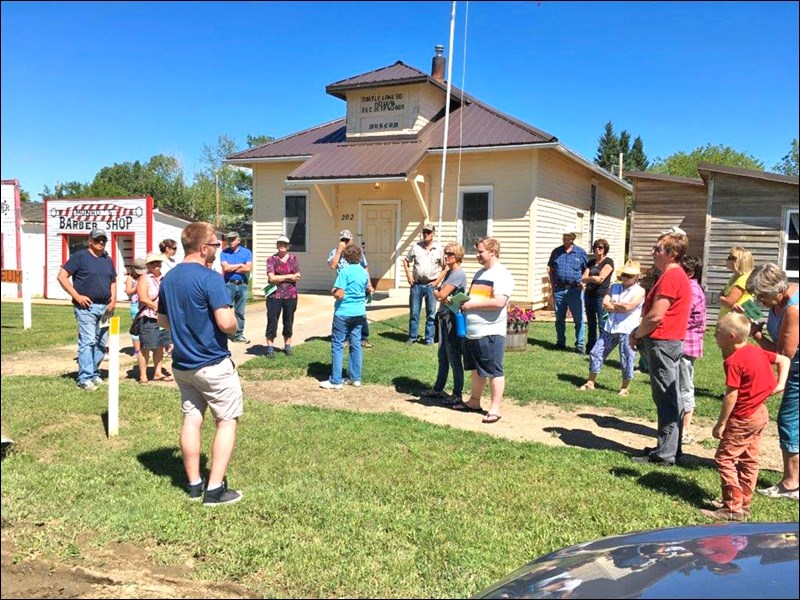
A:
x,y
687,438
353,383
196,491
98,381
366,344
328,385
433,394
778,491
89,386
221,495
429,342
241,339
270,353
410,342
287,350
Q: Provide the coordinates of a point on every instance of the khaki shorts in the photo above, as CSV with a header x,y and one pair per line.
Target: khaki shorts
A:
x,y
216,387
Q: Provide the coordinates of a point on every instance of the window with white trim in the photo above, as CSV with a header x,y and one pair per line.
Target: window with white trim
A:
x,y
295,223
475,207
791,253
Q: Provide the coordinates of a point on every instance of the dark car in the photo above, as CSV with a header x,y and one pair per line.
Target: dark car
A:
x,y
732,560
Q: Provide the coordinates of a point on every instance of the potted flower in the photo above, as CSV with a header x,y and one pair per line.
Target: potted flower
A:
x,y
518,319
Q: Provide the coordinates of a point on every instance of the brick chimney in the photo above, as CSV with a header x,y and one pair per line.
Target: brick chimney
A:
x,y
439,61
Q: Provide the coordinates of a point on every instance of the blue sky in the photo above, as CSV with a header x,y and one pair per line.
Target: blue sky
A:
x,y
89,84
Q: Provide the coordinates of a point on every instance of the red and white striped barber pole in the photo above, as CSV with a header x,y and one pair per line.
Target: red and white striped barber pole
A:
x,y
113,377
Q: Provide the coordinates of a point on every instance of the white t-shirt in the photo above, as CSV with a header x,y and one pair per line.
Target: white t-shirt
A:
x,y
624,322
489,283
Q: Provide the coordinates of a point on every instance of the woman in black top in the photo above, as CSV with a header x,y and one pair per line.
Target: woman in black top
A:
x,y
596,280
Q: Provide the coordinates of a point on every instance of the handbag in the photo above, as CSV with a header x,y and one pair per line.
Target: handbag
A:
x,y
136,326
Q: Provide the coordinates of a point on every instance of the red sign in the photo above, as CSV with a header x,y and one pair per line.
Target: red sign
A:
x,y
11,276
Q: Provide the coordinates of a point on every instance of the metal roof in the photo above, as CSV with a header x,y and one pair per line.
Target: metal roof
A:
x,y
398,73
705,168
662,177
362,160
32,212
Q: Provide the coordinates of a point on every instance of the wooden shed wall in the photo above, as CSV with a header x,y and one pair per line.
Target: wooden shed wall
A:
x,y
745,212
659,205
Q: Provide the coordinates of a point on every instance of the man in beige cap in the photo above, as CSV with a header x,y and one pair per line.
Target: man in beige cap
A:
x,y
237,263
423,266
565,268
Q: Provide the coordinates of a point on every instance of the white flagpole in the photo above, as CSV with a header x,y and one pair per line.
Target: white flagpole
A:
x,y
446,119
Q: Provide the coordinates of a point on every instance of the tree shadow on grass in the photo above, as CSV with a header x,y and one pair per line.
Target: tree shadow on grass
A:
x,y
616,423
168,462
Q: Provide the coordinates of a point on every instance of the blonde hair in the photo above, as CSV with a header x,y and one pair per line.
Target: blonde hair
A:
x,y
742,260
735,323
489,244
194,235
456,249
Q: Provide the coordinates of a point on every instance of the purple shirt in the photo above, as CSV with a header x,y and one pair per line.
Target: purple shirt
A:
x,y
286,289
693,343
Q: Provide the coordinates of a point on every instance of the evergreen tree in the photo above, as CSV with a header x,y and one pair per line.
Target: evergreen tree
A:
x,y
608,148
637,159
788,164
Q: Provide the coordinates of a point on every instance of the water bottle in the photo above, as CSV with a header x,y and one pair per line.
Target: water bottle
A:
x,y
461,325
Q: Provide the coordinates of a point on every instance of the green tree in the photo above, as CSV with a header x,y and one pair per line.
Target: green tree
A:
x,y
235,195
682,164
608,148
24,195
258,140
788,164
637,159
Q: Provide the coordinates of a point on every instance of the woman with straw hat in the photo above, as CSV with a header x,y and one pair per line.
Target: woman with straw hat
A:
x,y
623,303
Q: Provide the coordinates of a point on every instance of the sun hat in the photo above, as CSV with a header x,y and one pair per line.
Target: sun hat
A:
x,y
282,240
140,266
154,257
346,234
632,267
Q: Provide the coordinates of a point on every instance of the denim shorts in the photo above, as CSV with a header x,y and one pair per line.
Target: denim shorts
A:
x,y
485,355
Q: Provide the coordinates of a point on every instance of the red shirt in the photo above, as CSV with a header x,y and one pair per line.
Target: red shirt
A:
x,y
749,369
673,284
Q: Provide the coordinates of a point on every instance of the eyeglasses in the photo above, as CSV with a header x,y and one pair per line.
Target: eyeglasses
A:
x,y
659,250
426,231
598,248
215,244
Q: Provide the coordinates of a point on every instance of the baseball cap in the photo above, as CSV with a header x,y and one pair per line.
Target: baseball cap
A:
x,y
231,235
97,234
569,230
140,266
345,234
154,257
282,240
428,226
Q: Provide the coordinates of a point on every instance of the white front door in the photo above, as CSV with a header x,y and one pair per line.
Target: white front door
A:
x,y
379,241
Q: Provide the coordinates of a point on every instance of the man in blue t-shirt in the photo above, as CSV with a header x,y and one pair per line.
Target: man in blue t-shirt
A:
x,y
565,268
195,306
94,295
237,263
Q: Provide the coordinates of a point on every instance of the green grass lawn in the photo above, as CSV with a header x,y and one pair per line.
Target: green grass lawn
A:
x,y
336,503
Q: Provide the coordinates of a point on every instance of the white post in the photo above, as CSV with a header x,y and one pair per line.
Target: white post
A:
x,y
620,165
113,377
447,120
26,300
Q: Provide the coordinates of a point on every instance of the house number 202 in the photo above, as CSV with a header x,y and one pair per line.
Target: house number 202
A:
x,y
347,217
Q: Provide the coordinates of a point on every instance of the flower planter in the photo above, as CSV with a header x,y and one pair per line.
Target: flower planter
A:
x,y
517,341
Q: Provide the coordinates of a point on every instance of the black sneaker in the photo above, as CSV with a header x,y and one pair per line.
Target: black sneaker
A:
x,y
221,495
196,491
653,459
270,353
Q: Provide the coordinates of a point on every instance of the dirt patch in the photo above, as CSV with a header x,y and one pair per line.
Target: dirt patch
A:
x,y
127,571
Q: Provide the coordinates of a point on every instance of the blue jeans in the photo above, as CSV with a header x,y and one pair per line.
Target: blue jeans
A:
x,y
91,341
238,295
449,356
571,298
418,292
595,319
603,348
346,328
788,412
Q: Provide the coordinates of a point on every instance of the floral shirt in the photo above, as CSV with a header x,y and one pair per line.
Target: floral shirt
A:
x,y
276,266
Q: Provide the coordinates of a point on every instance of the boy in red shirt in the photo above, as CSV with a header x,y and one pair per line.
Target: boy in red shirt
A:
x,y
743,415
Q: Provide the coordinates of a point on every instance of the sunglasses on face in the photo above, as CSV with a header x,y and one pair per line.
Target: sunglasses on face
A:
x,y
658,250
215,244
100,241
449,253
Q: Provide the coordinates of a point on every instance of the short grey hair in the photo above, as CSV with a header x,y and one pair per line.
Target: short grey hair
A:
x,y
768,281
